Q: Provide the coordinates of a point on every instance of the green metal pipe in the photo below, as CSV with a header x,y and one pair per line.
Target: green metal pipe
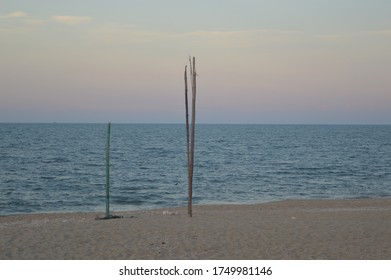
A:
x,y
108,171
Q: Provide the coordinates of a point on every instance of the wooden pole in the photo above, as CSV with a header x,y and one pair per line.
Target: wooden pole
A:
x,y
187,118
108,171
192,141
187,141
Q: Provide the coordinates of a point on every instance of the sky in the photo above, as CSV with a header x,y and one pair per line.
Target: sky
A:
x,y
257,61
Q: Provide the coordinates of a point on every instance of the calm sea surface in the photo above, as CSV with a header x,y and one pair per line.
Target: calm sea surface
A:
x,y
61,167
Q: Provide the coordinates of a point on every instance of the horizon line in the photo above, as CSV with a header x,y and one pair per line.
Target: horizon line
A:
x,y
201,123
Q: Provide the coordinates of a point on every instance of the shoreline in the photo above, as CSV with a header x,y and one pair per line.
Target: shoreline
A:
x,y
184,205
284,230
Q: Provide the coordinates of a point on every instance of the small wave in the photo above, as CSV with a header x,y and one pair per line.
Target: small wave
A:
x,y
127,201
47,177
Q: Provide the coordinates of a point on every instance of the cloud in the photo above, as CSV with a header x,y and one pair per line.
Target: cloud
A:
x,y
131,34
13,22
384,32
71,20
16,14
353,35
333,37
246,38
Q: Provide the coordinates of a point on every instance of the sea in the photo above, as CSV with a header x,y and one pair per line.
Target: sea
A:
x,y
62,167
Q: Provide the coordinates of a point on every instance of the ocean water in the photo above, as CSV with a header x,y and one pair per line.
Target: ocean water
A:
x,y
61,167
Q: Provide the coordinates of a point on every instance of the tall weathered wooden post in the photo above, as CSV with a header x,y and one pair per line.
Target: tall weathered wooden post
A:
x,y
190,134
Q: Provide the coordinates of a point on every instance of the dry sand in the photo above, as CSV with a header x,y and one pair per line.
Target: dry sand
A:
x,y
308,229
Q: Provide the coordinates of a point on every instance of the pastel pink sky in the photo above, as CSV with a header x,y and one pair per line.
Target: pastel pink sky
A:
x,y
257,62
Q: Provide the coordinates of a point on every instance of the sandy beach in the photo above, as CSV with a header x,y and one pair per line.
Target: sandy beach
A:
x,y
286,230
